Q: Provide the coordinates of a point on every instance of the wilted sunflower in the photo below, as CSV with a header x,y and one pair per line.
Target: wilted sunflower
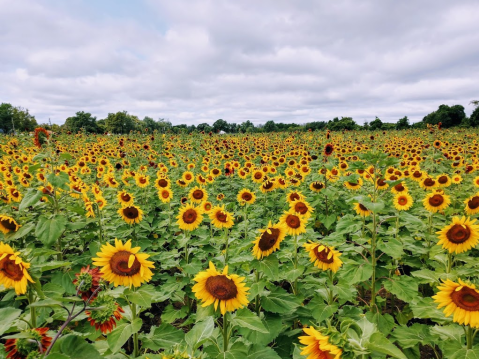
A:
x,y
220,196
131,214
165,195
21,348
246,196
318,345
324,257
223,290
189,217
436,202
403,201
8,224
13,270
472,205
362,210
460,299
40,136
269,240
198,195
123,265
220,218
106,316
294,222
460,236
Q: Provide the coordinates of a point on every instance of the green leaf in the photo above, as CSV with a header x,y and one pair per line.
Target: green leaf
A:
x,y
60,180
52,265
50,229
75,347
122,333
7,317
32,196
379,343
355,272
200,333
449,332
466,354
280,301
403,287
246,319
163,337
142,296
170,314
408,337
260,351
320,310
273,325
269,266
22,232
392,248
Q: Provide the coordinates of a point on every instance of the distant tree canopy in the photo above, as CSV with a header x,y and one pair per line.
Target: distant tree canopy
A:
x,y
15,117
403,123
449,116
120,122
82,121
345,123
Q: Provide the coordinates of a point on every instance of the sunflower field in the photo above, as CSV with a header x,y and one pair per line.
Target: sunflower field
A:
x,y
317,245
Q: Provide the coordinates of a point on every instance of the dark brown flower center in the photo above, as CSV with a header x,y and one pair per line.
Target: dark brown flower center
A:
x,y
458,234
10,269
300,207
318,185
131,212
208,206
142,180
429,182
402,200
417,174
381,182
198,194
268,240
216,171
11,226
323,255
221,287
119,264
328,149
246,196
352,184
436,200
190,216
473,203
363,208
294,197
442,179
399,187
466,298
187,176
268,185
165,194
258,175
293,221
162,183
221,216
125,197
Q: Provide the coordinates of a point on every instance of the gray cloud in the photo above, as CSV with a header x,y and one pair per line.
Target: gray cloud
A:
x,y
197,61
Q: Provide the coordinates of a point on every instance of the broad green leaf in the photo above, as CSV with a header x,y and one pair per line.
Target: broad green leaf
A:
x,y
142,296
32,196
163,337
75,347
392,248
269,266
449,332
264,352
170,314
122,333
22,232
403,287
279,301
466,354
50,229
379,343
246,319
408,337
320,310
200,333
273,325
7,317
355,272
52,265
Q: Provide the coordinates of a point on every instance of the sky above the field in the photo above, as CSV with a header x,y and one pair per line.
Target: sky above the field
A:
x,y
197,61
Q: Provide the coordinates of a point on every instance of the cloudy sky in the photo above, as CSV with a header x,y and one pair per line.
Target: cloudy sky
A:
x,y
196,61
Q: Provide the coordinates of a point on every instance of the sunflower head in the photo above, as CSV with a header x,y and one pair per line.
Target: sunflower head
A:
x,y
13,270
294,222
198,195
190,217
225,290
107,314
245,196
436,201
318,345
131,214
269,240
403,201
472,205
8,224
324,257
459,236
221,218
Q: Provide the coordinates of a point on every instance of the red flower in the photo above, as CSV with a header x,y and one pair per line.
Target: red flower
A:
x,y
20,348
39,140
89,281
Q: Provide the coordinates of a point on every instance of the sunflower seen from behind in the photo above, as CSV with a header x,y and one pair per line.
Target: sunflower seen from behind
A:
x,y
223,290
459,236
123,265
269,240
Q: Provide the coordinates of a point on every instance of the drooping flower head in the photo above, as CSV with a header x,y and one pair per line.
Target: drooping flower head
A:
x,y
22,348
104,319
88,281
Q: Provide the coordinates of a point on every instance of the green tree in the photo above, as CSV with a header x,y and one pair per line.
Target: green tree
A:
x,y
449,116
82,121
403,123
474,119
247,127
269,126
204,127
376,124
16,118
120,122
345,123
220,125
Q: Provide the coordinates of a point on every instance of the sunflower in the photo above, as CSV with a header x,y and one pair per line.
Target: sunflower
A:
x,y
161,183
294,222
125,198
403,201
437,144
220,218
40,136
328,149
436,202
399,188
443,180
13,270
427,183
318,345
269,240
267,186
460,299
316,186
302,207
324,257
381,184
88,281
220,196
362,210
206,206
100,201
456,179
189,217
165,195
188,177
472,205
460,236
246,196
8,224
257,176
131,214
223,290
476,181
294,196
22,348
354,185
198,195
123,265
107,314
142,181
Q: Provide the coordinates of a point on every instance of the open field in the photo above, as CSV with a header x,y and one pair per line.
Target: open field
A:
x,y
355,244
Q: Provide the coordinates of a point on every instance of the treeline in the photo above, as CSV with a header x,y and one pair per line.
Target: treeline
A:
x,y
19,119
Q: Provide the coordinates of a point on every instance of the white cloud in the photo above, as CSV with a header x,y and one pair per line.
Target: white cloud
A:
x,y
195,61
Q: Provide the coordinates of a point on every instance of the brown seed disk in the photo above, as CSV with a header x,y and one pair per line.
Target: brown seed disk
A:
x,y
190,216
323,255
267,241
119,264
466,298
221,288
458,234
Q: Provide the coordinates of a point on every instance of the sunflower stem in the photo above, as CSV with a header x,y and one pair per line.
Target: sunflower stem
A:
x,y
449,263
225,332
257,303
135,336
245,219
33,314
469,337
295,284
373,263
226,248
330,289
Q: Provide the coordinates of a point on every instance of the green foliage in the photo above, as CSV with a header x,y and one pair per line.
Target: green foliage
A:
x,y
82,121
449,116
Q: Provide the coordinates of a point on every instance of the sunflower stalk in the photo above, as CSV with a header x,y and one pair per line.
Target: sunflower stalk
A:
x,y
257,301
226,245
295,284
136,351
450,261
469,336
225,332
33,314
